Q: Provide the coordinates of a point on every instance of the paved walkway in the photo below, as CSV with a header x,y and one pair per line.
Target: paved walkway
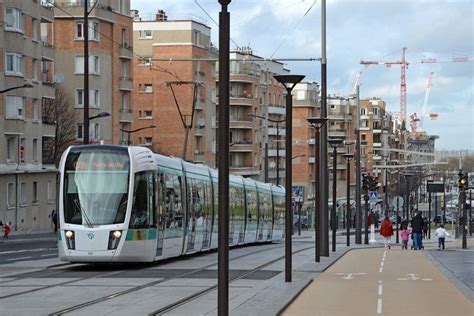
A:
x,y
385,282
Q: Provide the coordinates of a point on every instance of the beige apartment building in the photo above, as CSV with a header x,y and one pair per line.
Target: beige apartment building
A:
x,y
27,180
176,92
110,65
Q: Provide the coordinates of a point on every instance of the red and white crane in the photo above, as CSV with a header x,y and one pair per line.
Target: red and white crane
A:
x,y
403,67
417,121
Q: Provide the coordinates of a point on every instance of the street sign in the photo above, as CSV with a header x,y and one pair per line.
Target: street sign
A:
x,y
373,195
397,201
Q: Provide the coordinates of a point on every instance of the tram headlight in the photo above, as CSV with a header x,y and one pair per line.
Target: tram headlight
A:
x,y
114,239
70,240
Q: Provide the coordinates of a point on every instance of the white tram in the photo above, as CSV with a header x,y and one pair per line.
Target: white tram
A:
x,y
128,204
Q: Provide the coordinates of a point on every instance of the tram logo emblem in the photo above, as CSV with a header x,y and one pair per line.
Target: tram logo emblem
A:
x,y
90,235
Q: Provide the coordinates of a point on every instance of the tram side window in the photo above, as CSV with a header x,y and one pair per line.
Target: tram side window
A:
x,y
251,205
264,206
144,207
279,202
173,205
236,202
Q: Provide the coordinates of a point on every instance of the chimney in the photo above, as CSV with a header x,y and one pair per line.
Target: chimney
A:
x,y
161,16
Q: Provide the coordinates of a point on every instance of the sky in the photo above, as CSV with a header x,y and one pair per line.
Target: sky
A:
x,y
361,30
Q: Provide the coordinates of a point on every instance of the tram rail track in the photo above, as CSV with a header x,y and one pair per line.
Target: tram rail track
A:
x,y
153,283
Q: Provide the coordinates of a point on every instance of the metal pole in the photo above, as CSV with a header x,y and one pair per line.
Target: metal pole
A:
x,y
288,175
429,215
436,205
317,214
223,188
407,207
398,222
128,138
348,203
358,210
278,154
334,193
86,73
323,154
299,206
366,218
470,212
462,204
266,161
386,190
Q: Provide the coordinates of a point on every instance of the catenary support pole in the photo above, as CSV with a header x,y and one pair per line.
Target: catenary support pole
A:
x,y
358,211
223,164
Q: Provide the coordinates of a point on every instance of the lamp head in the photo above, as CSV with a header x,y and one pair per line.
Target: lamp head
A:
x,y
334,142
318,121
288,79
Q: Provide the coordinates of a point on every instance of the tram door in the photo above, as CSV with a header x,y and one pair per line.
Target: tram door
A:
x,y
160,186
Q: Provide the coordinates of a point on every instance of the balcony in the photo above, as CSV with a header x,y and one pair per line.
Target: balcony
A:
x,y
47,51
244,171
338,116
273,132
377,131
241,147
377,145
47,90
242,100
275,109
337,133
238,123
125,51
126,83
47,11
198,131
364,128
67,8
126,116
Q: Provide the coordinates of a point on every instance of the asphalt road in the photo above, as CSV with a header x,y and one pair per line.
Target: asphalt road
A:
x,y
27,248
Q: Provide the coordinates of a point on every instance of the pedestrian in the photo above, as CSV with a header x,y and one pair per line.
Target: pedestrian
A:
x,y
417,226
405,234
387,231
441,233
425,227
6,230
54,219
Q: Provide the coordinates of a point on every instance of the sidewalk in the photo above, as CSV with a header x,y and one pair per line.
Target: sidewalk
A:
x,y
375,281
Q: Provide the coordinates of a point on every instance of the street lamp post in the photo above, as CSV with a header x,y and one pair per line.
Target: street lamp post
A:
x,y
135,130
407,204
289,82
348,157
26,85
334,143
386,184
317,123
278,146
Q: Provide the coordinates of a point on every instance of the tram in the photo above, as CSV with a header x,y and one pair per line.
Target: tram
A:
x,y
128,204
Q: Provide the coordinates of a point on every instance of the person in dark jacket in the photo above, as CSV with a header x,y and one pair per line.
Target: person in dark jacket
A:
x,y
425,227
417,224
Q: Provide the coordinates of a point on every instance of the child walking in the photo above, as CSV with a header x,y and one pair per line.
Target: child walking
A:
x,y
441,233
405,233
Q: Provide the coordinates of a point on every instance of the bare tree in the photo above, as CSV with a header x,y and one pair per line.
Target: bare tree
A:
x,y
59,112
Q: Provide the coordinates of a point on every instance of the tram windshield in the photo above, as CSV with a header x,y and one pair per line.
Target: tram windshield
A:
x,y
96,187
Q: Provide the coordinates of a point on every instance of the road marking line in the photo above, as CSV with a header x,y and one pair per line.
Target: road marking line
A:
x,y
53,254
21,258
381,264
379,306
380,289
381,269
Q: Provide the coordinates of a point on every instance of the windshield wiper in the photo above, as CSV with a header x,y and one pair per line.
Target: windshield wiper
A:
x,y
83,213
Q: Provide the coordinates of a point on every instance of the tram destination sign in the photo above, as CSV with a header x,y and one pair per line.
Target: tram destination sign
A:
x,y
434,186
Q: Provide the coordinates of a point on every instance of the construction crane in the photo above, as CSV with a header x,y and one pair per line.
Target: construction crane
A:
x,y
404,66
417,122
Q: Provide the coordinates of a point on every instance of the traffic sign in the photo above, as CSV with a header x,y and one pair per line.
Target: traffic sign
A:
x,y
373,195
397,201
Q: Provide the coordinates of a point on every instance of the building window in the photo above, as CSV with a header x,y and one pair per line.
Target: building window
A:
x,y
148,140
50,191
123,38
35,192
94,65
15,107
79,98
145,61
14,64
35,69
300,95
95,131
10,148
363,111
148,114
145,34
34,29
35,150
94,98
35,106
17,21
375,111
80,131
10,195
93,30
23,194
147,88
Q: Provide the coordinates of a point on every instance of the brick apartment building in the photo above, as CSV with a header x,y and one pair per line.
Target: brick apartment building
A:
x,y
110,65
27,182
